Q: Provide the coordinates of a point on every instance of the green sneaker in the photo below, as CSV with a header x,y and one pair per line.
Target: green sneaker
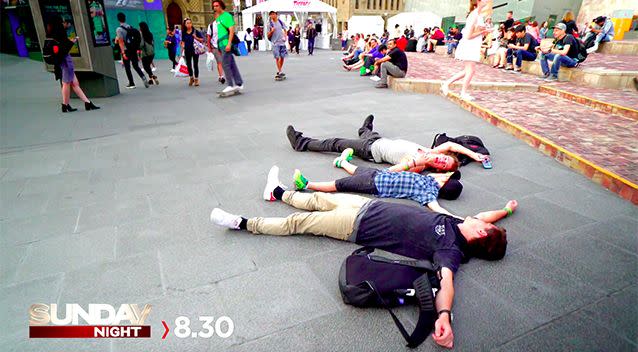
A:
x,y
300,181
347,154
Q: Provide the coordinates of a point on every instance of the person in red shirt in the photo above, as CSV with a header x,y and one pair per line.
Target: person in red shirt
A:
x,y
437,38
402,43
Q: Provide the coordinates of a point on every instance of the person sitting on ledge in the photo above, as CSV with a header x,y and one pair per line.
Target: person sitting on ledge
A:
x,y
404,155
402,229
394,64
523,50
564,52
423,189
604,34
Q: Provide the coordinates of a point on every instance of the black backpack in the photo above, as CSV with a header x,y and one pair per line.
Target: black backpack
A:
x,y
582,51
367,280
133,39
53,52
472,143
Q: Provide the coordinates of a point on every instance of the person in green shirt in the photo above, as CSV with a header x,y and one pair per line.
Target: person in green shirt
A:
x,y
225,34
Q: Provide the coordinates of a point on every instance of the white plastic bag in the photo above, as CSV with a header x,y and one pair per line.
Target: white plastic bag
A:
x,y
181,70
210,61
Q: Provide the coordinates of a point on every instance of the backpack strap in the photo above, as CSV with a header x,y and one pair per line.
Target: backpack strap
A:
x,y
427,315
418,264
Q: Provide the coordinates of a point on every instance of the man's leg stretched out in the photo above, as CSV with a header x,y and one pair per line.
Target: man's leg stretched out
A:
x,y
331,215
360,146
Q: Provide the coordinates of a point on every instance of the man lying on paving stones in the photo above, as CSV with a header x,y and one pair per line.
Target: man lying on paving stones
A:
x,y
524,49
404,155
398,228
564,52
423,189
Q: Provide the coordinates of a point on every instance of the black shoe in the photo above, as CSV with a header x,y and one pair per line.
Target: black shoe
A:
x,y
67,108
150,82
367,124
130,86
296,139
90,106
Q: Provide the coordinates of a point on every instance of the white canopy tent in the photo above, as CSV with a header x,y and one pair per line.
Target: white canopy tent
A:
x,y
301,9
365,25
418,21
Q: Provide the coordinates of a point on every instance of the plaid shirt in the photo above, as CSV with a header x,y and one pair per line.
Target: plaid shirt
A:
x,y
419,188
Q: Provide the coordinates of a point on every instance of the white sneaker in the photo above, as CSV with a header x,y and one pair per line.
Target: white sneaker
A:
x,y
592,49
173,70
228,89
466,97
375,78
272,183
222,218
239,88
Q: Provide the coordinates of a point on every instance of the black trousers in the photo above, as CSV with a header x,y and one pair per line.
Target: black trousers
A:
x,y
192,62
249,45
146,63
361,146
132,60
171,56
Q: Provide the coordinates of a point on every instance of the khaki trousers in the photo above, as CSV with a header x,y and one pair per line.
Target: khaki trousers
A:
x,y
331,215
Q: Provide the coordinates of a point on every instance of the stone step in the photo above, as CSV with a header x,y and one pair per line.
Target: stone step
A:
x,y
574,135
622,47
597,104
596,77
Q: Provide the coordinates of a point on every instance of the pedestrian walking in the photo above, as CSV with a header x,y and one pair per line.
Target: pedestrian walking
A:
x,y
226,33
469,48
148,52
189,36
212,42
170,43
311,34
64,69
277,36
248,38
296,39
129,40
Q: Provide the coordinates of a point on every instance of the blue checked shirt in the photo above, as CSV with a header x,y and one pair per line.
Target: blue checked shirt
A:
x,y
419,188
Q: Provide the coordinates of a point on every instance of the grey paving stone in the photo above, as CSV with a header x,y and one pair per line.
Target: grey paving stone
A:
x,y
507,185
10,258
129,280
113,213
24,206
543,216
530,285
67,253
16,299
617,312
593,205
621,231
255,301
202,263
50,224
593,261
570,333
20,343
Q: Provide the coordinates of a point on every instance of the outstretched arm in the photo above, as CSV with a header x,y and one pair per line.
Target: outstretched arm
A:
x,y
496,215
443,334
436,207
457,148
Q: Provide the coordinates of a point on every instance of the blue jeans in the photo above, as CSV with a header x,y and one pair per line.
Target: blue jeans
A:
x,y
451,46
233,78
521,55
602,38
557,62
311,45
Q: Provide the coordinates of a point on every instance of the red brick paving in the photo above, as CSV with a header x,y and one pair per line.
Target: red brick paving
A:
x,y
625,98
603,139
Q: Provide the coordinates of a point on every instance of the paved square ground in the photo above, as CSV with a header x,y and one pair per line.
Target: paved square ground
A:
x,y
112,206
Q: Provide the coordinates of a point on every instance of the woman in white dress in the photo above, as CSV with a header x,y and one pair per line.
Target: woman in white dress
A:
x,y
469,48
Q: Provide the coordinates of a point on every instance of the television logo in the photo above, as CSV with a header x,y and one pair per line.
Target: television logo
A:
x,y
102,321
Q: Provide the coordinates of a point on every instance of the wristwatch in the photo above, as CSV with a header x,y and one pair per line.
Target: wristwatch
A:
x,y
449,313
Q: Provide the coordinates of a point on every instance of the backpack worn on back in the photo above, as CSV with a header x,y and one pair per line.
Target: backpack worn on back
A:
x,y
52,51
367,280
472,143
133,38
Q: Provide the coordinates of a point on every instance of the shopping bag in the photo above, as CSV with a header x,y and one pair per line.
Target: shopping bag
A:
x,y
199,47
210,61
182,69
